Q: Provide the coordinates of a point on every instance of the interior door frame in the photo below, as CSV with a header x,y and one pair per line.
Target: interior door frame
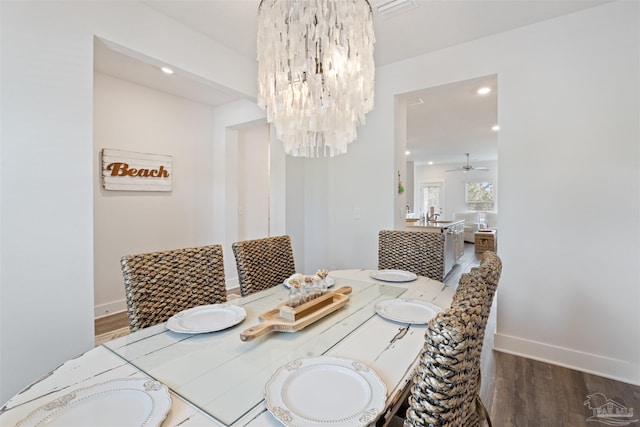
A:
x,y
430,183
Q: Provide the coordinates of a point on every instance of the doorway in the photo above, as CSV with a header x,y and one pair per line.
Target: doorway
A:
x,y
253,176
443,123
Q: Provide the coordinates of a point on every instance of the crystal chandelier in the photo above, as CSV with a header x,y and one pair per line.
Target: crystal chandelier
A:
x,y
315,71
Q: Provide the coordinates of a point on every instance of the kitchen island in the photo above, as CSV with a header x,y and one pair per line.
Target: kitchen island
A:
x,y
453,232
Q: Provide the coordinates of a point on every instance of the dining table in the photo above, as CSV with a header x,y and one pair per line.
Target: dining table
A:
x,y
218,379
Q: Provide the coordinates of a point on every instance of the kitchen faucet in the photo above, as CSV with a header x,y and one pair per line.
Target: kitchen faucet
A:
x,y
432,215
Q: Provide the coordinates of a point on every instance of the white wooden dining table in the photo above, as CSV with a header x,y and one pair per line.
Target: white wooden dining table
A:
x,y
216,379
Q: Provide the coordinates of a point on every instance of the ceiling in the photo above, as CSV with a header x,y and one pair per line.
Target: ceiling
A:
x,y
429,25
117,61
445,122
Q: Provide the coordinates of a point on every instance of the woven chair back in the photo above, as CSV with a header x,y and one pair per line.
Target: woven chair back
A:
x,y
474,297
473,302
263,263
161,284
419,252
476,290
439,395
490,269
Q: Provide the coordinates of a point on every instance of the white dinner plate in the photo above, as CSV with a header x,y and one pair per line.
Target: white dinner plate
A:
x,y
407,310
120,402
329,281
206,318
394,275
325,391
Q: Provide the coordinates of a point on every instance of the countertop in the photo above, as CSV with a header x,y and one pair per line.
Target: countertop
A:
x,y
433,225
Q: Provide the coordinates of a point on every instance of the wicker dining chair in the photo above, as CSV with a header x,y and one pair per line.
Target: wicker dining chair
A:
x,y
472,300
474,294
161,284
490,269
419,252
480,284
439,394
263,263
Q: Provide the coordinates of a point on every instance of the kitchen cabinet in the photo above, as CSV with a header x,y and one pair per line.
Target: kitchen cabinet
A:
x,y
453,232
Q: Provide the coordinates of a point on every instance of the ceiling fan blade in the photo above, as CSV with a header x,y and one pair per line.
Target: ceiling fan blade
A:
x,y
468,167
471,169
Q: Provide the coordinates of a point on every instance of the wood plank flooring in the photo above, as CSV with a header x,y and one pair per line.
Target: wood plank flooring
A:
x,y
110,323
464,264
524,392
517,392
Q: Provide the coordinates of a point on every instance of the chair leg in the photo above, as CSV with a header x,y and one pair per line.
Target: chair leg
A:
x,y
482,412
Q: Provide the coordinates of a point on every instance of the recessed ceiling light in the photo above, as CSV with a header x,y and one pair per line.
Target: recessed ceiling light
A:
x,y
407,152
429,163
495,128
484,90
166,70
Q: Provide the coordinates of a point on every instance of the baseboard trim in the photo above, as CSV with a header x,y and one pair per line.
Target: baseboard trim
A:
x,y
114,307
615,369
108,309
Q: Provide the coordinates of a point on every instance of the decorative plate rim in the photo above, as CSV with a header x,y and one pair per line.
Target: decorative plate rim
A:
x,y
157,392
378,274
381,305
278,408
174,325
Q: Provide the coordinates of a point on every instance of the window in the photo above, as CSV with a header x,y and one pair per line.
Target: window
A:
x,y
479,196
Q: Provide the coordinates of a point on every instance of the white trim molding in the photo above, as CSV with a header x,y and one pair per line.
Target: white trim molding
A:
x,y
608,367
110,308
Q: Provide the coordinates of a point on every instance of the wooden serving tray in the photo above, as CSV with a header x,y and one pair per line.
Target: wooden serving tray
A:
x,y
288,319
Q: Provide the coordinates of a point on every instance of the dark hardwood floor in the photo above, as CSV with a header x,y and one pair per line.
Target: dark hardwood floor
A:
x,y
464,264
110,323
517,392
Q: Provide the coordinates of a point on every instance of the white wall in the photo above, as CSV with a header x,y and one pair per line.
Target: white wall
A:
x,y
568,156
253,182
454,184
573,297
294,168
47,170
130,117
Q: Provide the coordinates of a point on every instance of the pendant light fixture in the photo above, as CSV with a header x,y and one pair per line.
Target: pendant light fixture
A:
x,y
315,72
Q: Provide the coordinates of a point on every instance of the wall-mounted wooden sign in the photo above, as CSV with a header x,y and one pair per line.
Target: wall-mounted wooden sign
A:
x,y
129,171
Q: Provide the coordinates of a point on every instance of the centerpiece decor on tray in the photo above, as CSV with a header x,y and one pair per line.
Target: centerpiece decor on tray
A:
x,y
309,300
305,288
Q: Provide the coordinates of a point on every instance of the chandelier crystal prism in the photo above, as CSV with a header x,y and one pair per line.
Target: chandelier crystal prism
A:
x,y
315,72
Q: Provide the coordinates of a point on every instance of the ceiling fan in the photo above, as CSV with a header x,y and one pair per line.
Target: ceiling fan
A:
x,y
468,167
